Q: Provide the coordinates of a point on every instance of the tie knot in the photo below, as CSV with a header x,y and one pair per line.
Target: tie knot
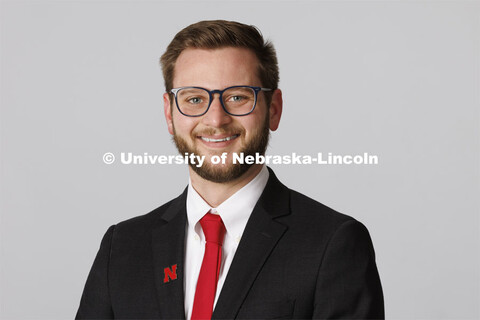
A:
x,y
213,228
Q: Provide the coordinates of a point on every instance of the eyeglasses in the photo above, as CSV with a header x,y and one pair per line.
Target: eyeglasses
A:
x,y
236,100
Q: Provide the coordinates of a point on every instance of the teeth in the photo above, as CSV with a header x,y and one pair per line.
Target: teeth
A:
x,y
218,140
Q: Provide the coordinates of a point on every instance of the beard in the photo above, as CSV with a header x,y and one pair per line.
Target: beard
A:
x,y
229,171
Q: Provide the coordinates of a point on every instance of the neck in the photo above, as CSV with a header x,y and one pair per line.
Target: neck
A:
x,y
215,193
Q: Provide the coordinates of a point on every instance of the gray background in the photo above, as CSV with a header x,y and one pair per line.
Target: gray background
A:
x,y
396,79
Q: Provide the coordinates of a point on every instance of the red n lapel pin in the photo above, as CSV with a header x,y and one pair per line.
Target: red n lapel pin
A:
x,y
170,273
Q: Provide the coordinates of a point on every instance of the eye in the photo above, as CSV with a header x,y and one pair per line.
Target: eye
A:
x,y
195,100
237,98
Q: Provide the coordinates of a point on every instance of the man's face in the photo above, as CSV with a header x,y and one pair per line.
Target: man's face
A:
x,y
216,131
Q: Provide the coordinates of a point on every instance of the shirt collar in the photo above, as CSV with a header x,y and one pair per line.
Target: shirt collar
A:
x,y
234,211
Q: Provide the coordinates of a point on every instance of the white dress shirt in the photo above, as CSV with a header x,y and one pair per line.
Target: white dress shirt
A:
x,y
234,212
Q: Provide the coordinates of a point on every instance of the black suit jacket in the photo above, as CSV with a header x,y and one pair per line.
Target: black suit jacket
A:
x,y
297,259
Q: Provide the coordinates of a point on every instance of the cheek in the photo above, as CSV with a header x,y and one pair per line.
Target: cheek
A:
x,y
183,124
253,125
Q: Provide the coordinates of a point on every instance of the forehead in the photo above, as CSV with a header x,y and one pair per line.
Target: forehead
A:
x,y
216,68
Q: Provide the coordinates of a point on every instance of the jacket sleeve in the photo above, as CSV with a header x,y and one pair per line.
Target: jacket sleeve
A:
x,y
95,302
348,285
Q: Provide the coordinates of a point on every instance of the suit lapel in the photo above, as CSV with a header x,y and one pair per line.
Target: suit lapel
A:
x,y
168,238
258,240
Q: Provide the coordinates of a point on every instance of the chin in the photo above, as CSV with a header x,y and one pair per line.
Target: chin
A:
x,y
219,173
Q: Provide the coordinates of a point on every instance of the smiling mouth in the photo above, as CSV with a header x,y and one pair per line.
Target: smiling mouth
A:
x,y
219,140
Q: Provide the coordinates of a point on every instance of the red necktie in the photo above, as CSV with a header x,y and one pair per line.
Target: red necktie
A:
x,y
214,231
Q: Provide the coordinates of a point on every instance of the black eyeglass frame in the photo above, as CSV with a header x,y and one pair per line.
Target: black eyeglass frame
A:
x,y
256,90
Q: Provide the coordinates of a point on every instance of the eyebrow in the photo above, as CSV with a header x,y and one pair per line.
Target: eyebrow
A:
x,y
191,90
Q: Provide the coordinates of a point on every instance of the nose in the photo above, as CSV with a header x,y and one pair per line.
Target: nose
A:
x,y
216,116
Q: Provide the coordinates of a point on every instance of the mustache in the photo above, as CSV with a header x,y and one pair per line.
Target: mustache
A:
x,y
217,131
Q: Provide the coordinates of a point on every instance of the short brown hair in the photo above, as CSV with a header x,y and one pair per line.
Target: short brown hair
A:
x,y
216,34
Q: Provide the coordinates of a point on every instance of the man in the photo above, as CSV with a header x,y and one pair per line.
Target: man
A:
x,y
236,243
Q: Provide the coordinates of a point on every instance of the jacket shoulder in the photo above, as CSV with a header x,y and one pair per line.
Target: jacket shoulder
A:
x,y
147,218
140,224
312,209
312,218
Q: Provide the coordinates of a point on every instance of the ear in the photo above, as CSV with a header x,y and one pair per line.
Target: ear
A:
x,y
168,112
275,111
